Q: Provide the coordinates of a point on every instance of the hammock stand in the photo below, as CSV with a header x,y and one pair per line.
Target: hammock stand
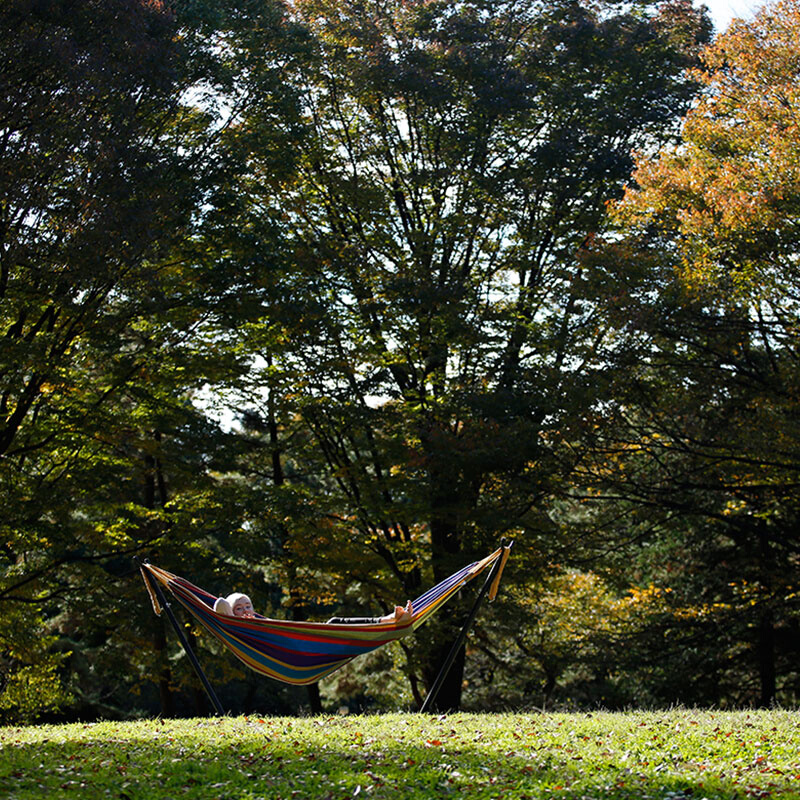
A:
x,y
318,649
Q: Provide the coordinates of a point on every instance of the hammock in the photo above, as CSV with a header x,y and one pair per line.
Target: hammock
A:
x,y
303,652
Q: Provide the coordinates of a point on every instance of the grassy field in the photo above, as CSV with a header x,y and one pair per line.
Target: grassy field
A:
x,y
665,755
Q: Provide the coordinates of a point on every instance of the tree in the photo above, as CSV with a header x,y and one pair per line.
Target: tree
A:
x,y
88,91
458,156
726,196
121,157
568,654
694,490
703,447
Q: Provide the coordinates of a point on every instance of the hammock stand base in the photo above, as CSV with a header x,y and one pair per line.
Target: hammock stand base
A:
x,y
212,695
432,693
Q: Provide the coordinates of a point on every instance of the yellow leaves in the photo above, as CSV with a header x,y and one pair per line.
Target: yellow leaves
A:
x,y
32,690
647,596
573,606
733,507
741,595
701,611
118,534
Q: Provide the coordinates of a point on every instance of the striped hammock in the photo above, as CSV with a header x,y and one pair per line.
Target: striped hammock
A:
x,y
303,652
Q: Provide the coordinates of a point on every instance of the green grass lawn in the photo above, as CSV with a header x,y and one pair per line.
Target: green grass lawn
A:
x,y
666,755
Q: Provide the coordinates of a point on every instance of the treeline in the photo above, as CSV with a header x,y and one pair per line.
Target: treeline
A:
x,y
320,299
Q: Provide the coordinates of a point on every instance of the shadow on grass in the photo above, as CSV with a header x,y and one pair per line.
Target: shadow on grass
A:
x,y
249,764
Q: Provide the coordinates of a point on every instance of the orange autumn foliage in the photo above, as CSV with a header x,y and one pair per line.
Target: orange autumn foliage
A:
x,y
727,197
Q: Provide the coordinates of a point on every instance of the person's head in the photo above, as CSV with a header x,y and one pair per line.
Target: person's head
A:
x,y
241,605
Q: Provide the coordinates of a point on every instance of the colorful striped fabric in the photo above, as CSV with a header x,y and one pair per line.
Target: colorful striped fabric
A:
x,y
304,652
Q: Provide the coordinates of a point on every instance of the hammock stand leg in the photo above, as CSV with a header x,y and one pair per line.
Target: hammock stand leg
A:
x,y
212,695
451,656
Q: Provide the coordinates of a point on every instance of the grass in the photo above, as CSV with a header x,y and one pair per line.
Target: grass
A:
x,y
665,755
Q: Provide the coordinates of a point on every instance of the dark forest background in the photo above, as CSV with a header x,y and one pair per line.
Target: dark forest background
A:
x,y
318,300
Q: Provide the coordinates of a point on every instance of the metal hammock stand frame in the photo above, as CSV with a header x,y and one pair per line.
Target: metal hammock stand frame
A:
x,y
430,698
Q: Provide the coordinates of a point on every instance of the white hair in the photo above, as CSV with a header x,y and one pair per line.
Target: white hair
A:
x,y
225,605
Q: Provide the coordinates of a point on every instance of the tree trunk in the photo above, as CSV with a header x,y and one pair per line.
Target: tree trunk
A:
x,y
448,505
278,478
765,642
765,649
165,696
314,700
549,687
449,695
298,613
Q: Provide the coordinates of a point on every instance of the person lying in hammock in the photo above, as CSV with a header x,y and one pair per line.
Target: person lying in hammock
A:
x,y
240,605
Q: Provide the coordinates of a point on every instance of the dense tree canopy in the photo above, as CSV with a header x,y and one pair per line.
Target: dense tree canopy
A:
x,y
113,305
457,156
374,238
702,444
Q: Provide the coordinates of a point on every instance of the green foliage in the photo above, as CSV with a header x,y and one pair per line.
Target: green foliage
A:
x,y
693,457
689,471
31,676
373,232
675,754
115,312
34,690
434,352
562,642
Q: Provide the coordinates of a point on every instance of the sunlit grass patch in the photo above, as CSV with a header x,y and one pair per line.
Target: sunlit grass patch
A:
x,y
671,755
